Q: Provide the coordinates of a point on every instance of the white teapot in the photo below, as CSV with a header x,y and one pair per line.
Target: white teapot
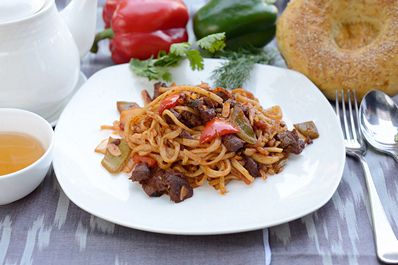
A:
x,y
40,51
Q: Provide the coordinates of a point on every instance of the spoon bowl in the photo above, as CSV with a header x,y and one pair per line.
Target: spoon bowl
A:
x,y
378,118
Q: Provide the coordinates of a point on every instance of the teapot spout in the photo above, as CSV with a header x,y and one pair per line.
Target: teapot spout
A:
x,y
81,18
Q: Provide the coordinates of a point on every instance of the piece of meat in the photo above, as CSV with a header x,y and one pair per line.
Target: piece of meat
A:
x,y
206,108
178,187
232,142
157,182
154,186
290,142
222,93
186,135
207,114
146,97
232,102
140,172
252,167
261,125
210,103
194,103
204,85
182,100
168,119
156,89
245,110
190,119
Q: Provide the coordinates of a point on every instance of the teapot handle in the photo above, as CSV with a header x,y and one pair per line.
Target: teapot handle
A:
x,y
81,18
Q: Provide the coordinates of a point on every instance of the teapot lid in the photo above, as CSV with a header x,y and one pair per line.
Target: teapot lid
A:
x,y
12,10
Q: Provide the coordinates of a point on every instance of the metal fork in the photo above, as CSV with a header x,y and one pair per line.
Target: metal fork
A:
x,y
386,242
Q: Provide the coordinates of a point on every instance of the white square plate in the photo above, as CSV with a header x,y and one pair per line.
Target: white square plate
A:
x,y
307,182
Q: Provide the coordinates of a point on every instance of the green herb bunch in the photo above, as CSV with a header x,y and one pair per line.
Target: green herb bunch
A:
x,y
159,68
232,74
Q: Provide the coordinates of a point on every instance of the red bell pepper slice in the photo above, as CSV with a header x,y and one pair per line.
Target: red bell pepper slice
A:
x,y
145,159
169,102
216,128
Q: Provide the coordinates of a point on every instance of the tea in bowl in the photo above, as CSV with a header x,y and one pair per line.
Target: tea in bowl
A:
x,y
26,143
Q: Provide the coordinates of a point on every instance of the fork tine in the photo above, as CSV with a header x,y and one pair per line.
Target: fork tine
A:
x,y
337,105
357,116
353,125
347,131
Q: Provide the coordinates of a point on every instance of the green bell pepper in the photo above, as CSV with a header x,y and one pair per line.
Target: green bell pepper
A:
x,y
246,132
245,22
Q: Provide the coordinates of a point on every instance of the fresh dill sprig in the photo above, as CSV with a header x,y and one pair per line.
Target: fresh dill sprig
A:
x,y
236,70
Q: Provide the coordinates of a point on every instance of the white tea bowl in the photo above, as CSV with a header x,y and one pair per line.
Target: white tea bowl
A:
x,y
17,185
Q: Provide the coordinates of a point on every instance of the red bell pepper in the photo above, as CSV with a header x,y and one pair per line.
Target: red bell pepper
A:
x,y
107,12
145,159
216,128
142,28
169,102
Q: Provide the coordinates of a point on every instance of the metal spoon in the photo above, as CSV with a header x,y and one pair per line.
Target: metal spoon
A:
x,y
378,116
379,122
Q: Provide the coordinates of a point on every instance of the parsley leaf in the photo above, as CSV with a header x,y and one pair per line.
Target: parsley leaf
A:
x,y
158,68
195,59
180,49
168,60
149,70
213,43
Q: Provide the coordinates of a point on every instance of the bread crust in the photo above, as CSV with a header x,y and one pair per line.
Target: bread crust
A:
x,y
347,44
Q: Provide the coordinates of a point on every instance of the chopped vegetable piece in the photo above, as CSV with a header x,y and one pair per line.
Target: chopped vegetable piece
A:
x,y
112,163
101,148
145,159
308,129
216,128
274,112
396,138
126,117
169,102
124,105
246,131
113,149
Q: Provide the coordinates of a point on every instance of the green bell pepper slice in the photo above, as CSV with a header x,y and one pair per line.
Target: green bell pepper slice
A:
x,y
245,22
246,132
112,163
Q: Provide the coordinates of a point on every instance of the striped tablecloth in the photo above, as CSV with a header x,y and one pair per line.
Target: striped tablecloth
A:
x,y
46,228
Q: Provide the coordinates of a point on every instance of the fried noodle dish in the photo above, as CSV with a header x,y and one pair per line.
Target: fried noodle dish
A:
x,y
185,136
